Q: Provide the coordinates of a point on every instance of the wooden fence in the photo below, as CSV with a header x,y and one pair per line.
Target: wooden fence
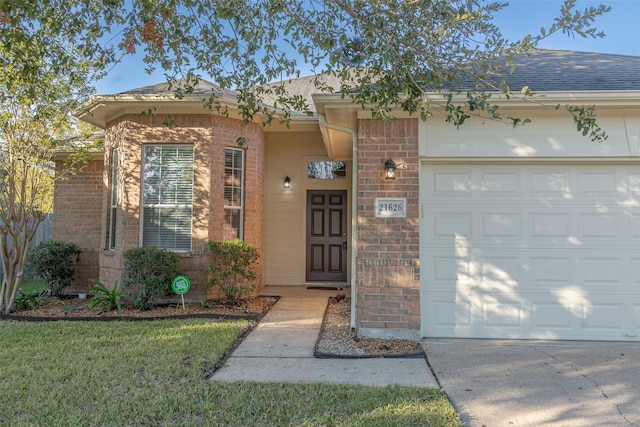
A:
x,y
43,233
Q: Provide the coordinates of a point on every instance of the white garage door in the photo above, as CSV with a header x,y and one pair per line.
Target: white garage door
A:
x,y
542,251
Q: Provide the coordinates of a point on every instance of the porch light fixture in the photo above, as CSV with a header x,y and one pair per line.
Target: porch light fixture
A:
x,y
390,168
287,182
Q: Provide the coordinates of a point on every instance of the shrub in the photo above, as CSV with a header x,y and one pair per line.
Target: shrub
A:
x,y
150,271
231,268
53,261
29,300
106,299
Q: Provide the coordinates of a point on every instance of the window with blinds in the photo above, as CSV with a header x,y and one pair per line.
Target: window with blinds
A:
x,y
167,193
233,193
114,200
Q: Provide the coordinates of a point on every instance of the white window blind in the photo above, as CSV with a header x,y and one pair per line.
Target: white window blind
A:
x,y
233,193
113,199
167,196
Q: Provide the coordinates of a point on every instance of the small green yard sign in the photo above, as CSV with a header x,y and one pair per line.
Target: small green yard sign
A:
x,y
180,286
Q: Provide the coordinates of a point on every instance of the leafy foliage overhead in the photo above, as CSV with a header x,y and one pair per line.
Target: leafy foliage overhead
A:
x,y
385,53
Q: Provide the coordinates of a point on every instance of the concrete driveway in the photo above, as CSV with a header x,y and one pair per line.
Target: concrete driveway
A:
x,y
533,383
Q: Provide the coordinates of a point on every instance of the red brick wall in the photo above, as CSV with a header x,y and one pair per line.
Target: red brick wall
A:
x,y
387,265
77,211
225,135
210,135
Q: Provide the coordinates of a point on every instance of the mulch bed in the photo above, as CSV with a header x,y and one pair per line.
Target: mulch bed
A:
x,y
53,309
335,340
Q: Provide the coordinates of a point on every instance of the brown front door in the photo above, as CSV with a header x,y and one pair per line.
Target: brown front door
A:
x,y
326,236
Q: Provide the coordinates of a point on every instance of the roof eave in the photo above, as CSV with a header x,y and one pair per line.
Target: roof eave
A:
x,y
612,98
99,110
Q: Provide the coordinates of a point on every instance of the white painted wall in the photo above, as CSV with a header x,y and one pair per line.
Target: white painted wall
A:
x,y
551,134
285,209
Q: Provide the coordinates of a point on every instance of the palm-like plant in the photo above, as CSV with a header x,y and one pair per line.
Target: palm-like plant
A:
x,y
106,299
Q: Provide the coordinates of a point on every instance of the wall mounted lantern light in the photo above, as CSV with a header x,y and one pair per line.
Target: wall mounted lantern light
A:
x,y
390,168
287,182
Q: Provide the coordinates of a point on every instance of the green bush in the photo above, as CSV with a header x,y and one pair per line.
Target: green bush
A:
x,y
231,268
53,261
149,271
105,299
29,300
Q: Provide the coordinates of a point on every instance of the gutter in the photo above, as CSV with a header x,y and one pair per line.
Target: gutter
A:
x,y
354,207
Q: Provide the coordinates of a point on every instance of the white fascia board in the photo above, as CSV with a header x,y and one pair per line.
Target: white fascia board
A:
x,y
101,109
616,99
619,98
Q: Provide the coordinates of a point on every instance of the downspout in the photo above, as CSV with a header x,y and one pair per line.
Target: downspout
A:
x,y
354,208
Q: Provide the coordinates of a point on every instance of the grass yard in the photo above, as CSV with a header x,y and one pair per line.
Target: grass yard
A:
x,y
154,373
32,285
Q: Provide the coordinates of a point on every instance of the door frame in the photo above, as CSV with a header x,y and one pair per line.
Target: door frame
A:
x,y
344,238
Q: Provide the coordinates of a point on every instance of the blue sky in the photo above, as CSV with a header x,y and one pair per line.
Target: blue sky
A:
x,y
520,18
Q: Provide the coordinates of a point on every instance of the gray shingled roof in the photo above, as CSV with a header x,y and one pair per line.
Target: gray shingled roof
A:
x,y
570,71
203,88
304,86
542,70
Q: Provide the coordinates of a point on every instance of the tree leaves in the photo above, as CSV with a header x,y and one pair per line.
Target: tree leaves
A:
x,y
585,119
383,55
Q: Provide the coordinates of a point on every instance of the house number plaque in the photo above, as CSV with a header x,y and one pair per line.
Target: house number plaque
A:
x,y
387,207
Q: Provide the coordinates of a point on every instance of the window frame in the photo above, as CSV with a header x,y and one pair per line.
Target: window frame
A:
x,y
336,173
145,206
231,207
114,199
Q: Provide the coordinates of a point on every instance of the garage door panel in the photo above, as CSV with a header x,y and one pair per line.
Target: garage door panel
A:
x,y
499,184
527,268
600,225
546,183
603,318
635,269
504,315
545,225
634,226
446,269
549,270
601,182
539,318
500,273
541,225
444,225
551,315
448,315
451,183
501,225
557,259
602,271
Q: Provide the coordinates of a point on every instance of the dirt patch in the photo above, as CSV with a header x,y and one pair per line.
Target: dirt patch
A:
x,y
337,340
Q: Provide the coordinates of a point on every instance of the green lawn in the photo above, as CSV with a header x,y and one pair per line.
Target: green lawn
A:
x,y
154,373
32,285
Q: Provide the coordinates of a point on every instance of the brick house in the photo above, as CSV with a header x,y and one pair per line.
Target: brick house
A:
x,y
486,231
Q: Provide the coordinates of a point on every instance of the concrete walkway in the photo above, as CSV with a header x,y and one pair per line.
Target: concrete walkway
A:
x,y
281,348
